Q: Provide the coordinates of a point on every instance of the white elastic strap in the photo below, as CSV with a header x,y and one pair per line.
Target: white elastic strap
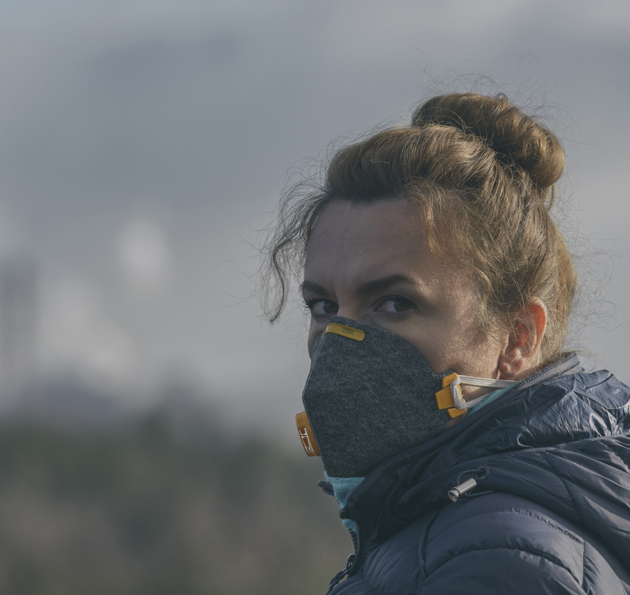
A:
x,y
487,382
469,404
456,392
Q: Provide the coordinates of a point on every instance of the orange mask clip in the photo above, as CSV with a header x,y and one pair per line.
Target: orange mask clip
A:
x,y
445,399
306,435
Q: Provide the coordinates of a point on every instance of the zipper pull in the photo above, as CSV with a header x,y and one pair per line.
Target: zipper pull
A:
x,y
457,492
342,573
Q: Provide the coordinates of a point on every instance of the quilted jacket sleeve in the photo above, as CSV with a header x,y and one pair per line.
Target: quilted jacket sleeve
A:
x,y
499,571
492,545
502,544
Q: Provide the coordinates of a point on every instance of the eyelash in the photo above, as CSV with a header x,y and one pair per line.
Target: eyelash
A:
x,y
410,305
310,304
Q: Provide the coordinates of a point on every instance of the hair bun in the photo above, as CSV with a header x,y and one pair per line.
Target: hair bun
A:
x,y
515,137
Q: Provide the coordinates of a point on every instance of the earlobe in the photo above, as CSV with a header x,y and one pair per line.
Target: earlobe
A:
x,y
504,368
521,354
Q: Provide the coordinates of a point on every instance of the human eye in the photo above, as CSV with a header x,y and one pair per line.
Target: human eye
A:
x,y
395,306
321,308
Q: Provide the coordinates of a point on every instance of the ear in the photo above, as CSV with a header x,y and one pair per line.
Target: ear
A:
x,y
521,355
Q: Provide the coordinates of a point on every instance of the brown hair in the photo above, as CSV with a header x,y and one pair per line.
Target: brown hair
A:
x,y
482,174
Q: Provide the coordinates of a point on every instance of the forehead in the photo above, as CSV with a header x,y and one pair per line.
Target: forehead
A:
x,y
355,240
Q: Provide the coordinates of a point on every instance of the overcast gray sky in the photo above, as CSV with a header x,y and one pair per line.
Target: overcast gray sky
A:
x,y
143,144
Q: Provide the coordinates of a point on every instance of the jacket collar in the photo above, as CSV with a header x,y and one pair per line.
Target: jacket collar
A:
x,y
417,481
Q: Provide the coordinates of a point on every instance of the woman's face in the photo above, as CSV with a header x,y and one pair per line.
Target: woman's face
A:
x,y
372,263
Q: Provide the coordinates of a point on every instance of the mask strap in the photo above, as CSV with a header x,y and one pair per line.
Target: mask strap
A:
x,y
489,382
451,398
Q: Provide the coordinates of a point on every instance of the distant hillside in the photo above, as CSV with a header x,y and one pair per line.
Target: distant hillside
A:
x,y
160,505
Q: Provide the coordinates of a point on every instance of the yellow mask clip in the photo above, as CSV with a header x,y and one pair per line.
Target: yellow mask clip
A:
x,y
345,331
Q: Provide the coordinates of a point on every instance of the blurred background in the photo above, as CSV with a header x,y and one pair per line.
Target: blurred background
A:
x,y
147,441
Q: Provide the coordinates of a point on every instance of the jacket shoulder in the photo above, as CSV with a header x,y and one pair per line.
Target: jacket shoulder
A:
x,y
491,544
505,539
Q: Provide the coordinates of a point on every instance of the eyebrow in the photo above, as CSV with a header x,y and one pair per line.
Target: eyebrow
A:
x,y
365,288
312,287
384,283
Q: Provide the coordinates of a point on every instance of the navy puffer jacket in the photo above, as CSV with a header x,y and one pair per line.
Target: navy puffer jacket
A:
x,y
550,513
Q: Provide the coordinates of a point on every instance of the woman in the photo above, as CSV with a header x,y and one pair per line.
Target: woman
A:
x,y
468,452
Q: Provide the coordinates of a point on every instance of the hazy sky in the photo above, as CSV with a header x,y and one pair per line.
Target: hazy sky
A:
x,y
143,145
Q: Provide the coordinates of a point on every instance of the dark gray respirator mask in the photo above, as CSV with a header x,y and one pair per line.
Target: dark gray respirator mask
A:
x,y
370,394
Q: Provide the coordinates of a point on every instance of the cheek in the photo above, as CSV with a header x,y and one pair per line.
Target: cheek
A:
x,y
312,334
438,352
448,342
478,356
431,340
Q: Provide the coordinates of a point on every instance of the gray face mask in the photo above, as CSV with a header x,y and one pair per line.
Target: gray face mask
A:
x,y
370,394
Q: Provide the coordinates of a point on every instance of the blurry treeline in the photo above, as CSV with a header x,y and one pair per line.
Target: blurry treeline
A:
x,y
164,502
